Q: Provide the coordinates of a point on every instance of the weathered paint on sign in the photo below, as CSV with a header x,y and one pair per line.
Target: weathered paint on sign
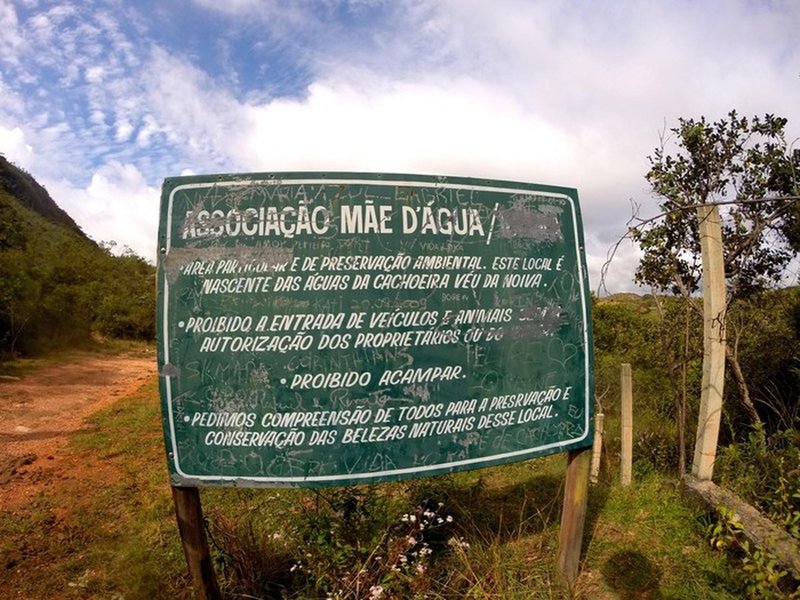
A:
x,y
335,329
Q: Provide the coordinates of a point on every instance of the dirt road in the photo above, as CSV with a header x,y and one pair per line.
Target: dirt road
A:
x,y
39,411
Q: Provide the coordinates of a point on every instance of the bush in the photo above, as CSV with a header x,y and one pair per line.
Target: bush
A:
x,y
760,576
350,543
765,471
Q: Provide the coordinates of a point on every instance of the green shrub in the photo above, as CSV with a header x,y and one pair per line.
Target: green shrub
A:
x,y
765,471
760,576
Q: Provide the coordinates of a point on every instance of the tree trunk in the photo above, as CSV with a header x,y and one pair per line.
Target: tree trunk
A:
x,y
682,423
744,390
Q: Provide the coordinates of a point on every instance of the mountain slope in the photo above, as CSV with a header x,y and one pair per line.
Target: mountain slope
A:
x,y
57,287
22,186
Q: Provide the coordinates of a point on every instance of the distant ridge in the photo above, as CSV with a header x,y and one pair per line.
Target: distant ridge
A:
x,y
21,185
623,297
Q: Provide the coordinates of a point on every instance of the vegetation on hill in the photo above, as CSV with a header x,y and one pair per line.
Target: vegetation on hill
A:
x,y
661,337
60,289
662,340
22,186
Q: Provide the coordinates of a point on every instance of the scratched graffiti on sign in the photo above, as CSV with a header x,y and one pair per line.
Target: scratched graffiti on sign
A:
x,y
335,329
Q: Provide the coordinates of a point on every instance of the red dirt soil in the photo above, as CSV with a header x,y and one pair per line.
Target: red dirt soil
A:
x,y
41,410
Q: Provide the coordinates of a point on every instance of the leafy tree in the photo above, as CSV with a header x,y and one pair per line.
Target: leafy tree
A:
x,y
747,167
19,297
126,298
743,164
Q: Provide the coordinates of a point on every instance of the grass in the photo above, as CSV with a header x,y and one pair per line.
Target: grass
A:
x,y
645,543
17,367
106,529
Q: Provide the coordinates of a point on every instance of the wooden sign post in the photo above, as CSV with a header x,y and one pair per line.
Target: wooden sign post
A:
x,y
195,546
573,514
322,329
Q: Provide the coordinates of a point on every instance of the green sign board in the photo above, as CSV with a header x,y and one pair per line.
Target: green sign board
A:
x,y
336,328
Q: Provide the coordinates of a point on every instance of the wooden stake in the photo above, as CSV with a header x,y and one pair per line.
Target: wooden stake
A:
x,y
597,447
195,546
573,514
626,407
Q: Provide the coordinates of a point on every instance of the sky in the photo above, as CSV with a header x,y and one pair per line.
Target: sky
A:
x,y
100,100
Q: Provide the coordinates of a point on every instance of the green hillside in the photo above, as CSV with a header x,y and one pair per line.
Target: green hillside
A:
x,y
25,189
60,289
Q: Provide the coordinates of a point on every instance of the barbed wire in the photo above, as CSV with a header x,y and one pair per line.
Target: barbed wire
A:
x,y
631,229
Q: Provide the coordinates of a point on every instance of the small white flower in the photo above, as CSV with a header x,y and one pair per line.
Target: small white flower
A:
x,y
460,542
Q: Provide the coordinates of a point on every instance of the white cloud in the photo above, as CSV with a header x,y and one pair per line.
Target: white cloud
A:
x,y
95,74
251,7
117,205
612,266
188,109
148,128
461,128
13,103
276,15
551,92
14,147
97,117
42,27
12,38
528,92
124,129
